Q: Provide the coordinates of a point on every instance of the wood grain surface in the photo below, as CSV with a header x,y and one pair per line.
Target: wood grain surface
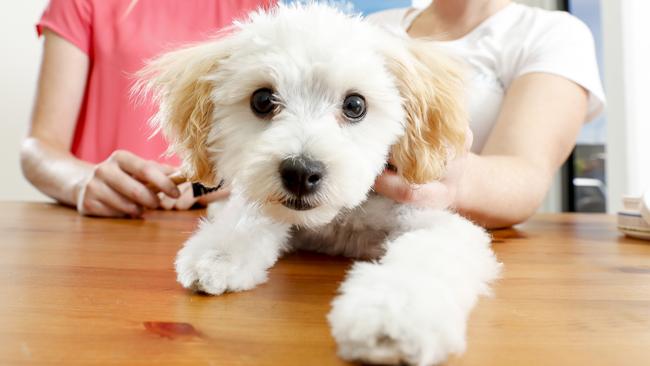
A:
x,y
84,291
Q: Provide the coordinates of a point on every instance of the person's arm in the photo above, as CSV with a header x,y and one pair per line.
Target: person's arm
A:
x,y
115,187
540,118
45,159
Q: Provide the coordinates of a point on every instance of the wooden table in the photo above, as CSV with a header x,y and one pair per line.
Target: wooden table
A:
x,y
78,290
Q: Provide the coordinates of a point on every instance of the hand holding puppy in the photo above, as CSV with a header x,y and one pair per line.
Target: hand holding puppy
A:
x,y
123,185
187,199
439,194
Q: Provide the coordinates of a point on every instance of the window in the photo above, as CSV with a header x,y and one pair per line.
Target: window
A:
x,y
585,171
371,6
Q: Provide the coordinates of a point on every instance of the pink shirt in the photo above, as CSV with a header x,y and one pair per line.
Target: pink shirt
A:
x,y
119,36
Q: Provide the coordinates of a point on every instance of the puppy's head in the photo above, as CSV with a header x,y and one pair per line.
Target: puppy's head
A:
x,y
300,108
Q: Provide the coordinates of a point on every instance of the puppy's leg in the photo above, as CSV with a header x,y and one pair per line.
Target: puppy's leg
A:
x,y
412,306
232,250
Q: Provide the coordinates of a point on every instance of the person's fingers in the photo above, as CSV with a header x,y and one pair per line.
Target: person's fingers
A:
x,y
214,196
97,199
94,207
393,186
147,171
434,194
152,174
127,186
168,169
186,199
166,202
114,200
184,202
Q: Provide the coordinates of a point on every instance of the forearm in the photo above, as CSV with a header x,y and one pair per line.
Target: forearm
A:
x,y
52,170
500,191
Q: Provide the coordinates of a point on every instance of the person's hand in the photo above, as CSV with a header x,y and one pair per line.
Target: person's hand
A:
x,y
439,194
187,199
118,186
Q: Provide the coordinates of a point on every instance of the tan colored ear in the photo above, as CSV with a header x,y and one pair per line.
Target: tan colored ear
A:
x,y
431,85
178,82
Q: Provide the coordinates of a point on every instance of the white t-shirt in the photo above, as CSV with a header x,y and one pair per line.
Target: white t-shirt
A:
x,y
516,40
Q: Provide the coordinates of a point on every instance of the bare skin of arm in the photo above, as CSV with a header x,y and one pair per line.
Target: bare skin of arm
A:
x,y
539,122
115,187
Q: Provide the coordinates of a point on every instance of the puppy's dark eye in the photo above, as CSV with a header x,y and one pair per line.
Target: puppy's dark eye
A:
x,y
354,107
263,102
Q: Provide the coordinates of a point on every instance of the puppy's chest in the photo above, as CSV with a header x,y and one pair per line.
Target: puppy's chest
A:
x,y
359,233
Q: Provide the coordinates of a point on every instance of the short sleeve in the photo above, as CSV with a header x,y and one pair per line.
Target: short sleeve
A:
x,y
70,19
564,46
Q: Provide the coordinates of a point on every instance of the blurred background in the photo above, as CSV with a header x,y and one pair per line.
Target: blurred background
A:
x,y
611,159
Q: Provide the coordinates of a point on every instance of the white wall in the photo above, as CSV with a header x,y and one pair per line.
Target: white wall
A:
x,y
626,59
21,55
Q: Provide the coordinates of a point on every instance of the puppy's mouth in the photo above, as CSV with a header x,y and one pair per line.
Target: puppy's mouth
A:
x,y
298,204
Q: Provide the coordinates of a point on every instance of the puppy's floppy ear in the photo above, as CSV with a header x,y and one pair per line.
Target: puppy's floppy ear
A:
x,y
179,83
432,88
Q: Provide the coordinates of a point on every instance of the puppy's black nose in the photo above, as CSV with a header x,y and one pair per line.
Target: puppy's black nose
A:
x,y
301,175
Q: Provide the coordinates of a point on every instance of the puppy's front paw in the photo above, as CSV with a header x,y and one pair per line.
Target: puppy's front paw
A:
x,y
382,319
216,272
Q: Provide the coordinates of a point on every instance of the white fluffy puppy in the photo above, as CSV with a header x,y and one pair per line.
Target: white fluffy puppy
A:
x,y
298,109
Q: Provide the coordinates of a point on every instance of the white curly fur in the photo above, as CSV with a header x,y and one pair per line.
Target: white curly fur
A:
x,y
411,303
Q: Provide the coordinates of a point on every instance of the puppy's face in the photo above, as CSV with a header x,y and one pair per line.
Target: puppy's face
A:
x,y
300,108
